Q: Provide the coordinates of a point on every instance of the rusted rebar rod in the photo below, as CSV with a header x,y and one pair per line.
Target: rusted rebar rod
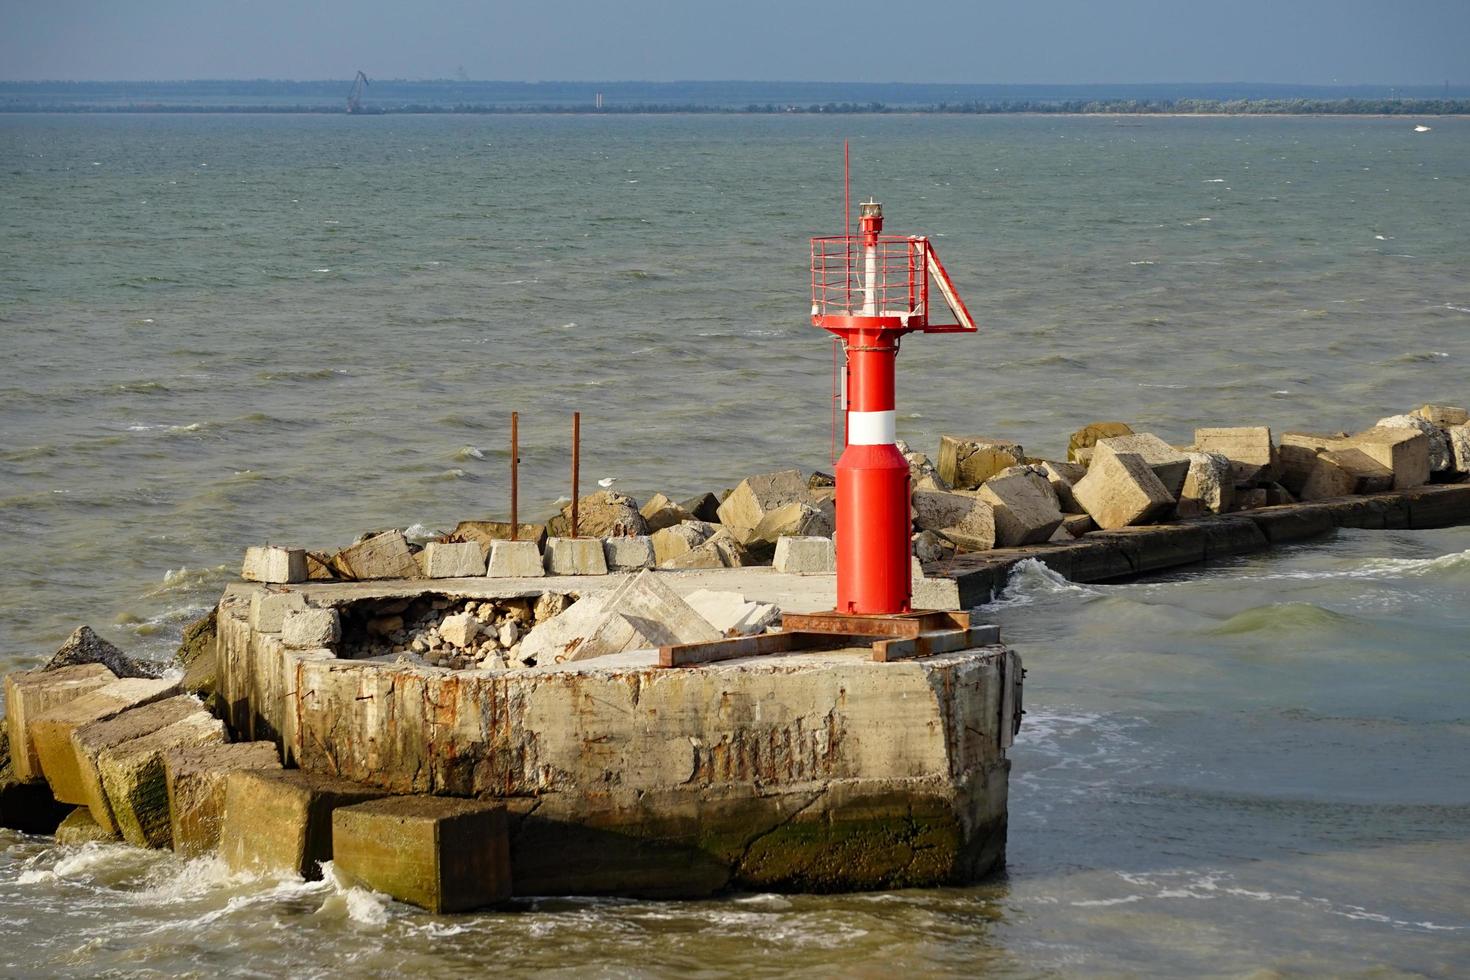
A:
x,y
576,466
515,474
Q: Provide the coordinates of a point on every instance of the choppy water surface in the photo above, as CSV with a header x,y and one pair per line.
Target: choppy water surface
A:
x,y
227,330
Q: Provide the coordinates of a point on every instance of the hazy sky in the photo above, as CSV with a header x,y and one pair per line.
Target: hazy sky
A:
x,y
1059,41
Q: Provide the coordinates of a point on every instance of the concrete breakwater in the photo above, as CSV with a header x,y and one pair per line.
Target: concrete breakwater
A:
x,y
492,703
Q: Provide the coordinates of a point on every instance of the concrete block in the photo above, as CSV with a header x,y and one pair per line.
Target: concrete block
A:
x,y
439,853
671,542
798,519
385,555
703,507
1169,464
806,556
641,613
575,556
963,519
133,777
1443,416
51,730
731,613
1024,506
90,741
460,630
1251,498
515,559
1061,476
1403,450
1121,489
1440,460
1344,472
1251,453
311,628
930,546
486,533
719,550
269,563
1298,451
1078,524
756,497
629,554
29,693
660,512
1209,487
965,462
79,828
281,820
456,559
268,609
1459,440
1089,435
194,779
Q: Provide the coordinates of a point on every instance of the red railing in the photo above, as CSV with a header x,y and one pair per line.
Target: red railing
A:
x,y
890,280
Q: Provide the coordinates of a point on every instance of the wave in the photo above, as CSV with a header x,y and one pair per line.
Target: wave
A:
x,y
1284,617
1030,580
468,452
319,374
1419,357
1386,568
190,579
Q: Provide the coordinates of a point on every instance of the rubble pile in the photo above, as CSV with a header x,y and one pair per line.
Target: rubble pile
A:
x,y
446,631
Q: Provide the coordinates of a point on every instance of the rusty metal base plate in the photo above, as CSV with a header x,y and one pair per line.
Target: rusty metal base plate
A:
x,y
921,633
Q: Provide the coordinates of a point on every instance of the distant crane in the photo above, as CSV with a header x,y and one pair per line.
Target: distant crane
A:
x,y
354,98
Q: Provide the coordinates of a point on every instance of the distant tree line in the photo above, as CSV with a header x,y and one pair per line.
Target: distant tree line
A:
x,y
1233,107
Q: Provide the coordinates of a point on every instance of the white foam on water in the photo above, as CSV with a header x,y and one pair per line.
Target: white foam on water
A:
x,y
469,452
1382,568
1215,180
419,532
1030,580
1457,309
1143,262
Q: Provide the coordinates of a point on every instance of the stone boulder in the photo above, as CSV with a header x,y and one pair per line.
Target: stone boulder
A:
x,y
1088,436
705,507
757,498
965,462
486,533
1025,508
380,556
923,474
1120,490
660,512
797,520
719,550
930,546
604,514
1444,416
1251,453
1062,476
1209,487
86,647
670,542
966,521
1459,440
1169,464
1440,459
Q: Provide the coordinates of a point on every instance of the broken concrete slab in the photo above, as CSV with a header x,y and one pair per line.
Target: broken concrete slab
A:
x,y
643,612
965,462
1404,450
719,550
605,514
380,556
1120,490
91,741
280,821
1209,487
1169,464
1024,507
85,647
732,614
660,512
270,563
756,497
454,559
29,693
51,730
629,554
575,556
515,559
806,555
1249,448
965,520
194,778
439,853
133,777
1344,472
486,533
1438,448
670,542
1087,437
78,828
311,628
269,608
798,520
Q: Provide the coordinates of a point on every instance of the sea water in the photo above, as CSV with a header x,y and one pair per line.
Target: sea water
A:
x,y
224,330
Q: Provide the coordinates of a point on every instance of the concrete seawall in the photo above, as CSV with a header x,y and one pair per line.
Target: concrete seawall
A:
x,y
1102,556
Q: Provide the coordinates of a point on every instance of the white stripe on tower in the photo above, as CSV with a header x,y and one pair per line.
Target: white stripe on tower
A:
x,y
871,428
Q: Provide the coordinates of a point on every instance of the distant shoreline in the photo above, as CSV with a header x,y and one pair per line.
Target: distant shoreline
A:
x,y
1459,112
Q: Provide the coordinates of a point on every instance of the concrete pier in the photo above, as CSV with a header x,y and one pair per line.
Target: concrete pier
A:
x,y
803,772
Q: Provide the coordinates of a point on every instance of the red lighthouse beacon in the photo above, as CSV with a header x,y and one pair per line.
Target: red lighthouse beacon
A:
x,y
871,289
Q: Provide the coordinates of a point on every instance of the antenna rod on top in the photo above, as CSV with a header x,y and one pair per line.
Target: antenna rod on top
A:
x,y
846,192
